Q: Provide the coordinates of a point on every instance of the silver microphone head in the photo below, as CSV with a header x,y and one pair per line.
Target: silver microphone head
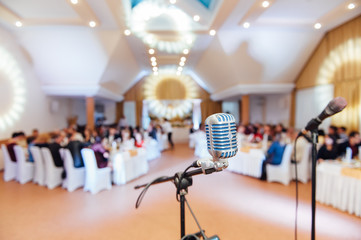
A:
x,y
221,137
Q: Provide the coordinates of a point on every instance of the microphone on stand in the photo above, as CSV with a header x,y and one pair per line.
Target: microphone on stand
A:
x,y
221,141
334,106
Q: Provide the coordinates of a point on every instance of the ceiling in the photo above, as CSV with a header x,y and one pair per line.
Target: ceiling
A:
x,y
73,59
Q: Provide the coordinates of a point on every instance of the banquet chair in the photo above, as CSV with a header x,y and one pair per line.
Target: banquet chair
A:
x,y
39,171
75,177
96,179
9,166
281,173
52,173
25,169
303,167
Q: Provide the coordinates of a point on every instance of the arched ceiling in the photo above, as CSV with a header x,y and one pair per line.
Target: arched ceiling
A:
x,y
72,59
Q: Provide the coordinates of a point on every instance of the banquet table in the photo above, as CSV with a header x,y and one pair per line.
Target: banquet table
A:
x,y
129,165
247,162
338,184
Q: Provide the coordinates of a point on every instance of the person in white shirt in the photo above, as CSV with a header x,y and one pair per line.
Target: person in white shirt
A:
x,y
167,128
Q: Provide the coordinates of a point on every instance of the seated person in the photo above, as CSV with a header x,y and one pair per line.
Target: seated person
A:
x,y
273,157
354,141
75,145
54,148
101,154
42,140
15,138
328,150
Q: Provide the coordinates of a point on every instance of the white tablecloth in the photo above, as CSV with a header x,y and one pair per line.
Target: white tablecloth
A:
x,y
127,167
340,191
247,163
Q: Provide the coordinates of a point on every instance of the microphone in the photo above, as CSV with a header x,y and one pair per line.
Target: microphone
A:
x,y
221,141
334,106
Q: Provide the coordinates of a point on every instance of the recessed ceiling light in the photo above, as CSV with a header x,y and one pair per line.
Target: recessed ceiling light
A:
x,y
172,1
265,4
180,69
181,64
151,51
196,18
351,6
212,32
18,24
127,32
178,73
155,69
74,1
185,51
92,24
154,64
153,59
246,25
155,73
183,59
317,26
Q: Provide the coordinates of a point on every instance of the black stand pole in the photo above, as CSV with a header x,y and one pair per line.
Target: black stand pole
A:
x,y
314,160
182,181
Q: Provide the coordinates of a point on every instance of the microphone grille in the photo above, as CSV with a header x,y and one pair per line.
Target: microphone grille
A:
x,y
221,135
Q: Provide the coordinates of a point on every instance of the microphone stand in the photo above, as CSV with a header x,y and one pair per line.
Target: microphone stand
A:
x,y
182,180
314,136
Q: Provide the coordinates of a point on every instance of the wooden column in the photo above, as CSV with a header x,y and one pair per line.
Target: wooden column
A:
x,y
90,105
293,109
245,109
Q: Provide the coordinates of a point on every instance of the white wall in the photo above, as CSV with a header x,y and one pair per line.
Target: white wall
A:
x,y
39,111
310,103
232,108
270,109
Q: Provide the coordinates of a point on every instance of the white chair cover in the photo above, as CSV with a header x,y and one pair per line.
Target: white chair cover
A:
x,y
151,146
9,166
75,177
304,166
201,149
52,172
96,179
25,170
281,173
39,171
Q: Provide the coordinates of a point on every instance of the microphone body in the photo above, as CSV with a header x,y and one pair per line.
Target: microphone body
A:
x,y
334,106
221,138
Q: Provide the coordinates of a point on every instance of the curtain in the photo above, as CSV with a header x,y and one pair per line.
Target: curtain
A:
x,y
349,117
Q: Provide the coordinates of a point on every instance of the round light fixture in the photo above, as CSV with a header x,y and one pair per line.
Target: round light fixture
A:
x,y
12,73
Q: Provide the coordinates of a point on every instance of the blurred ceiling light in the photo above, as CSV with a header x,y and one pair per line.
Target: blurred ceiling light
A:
x,y
180,69
351,6
172,1
74,1
127,32
155,73
18,24
212,32
153,59
178,73
154,64
155,69
92,24
246,25
196,18
183,59
151,51
181,64
317,26
185,51
265,4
